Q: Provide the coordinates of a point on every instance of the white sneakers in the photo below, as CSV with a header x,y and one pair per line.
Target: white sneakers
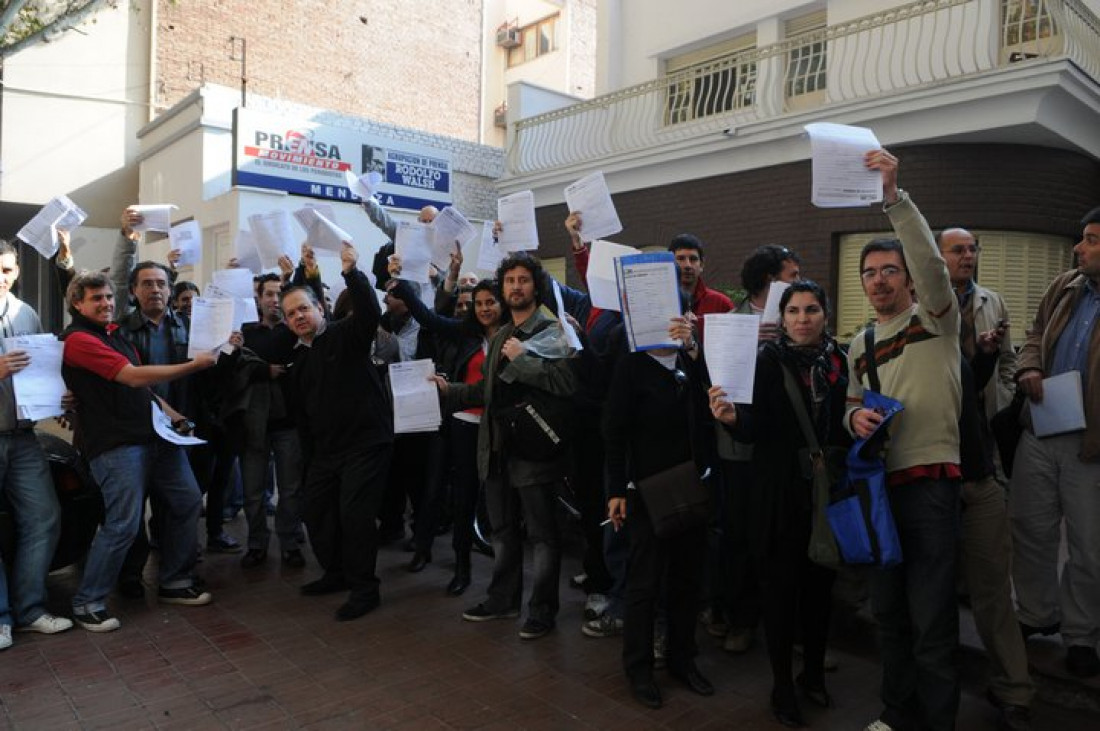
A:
x,y
48,624
878,726
5,636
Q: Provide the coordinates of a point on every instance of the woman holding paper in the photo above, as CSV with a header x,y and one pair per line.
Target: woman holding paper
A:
x,y
463,344
781,506
652,426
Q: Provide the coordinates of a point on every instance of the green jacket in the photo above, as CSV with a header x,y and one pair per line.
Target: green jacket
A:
x,y
553,376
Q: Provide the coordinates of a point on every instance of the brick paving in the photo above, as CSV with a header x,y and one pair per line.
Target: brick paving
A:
x,y
262,656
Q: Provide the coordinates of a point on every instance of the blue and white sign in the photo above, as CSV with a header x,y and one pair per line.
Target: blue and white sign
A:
x,y
311,159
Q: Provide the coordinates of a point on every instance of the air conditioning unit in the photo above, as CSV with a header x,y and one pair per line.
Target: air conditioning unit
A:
x,y
509,36
500,116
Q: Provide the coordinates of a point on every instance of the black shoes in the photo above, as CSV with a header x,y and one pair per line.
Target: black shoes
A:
x,y
693,679
815,691
1082,661
419,560
785,709
481,613
327,584
1009,717
646,692
293,559
461,581
253,557
356,606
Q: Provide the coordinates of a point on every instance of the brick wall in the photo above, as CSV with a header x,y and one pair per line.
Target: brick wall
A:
x,y
404,63
1006,187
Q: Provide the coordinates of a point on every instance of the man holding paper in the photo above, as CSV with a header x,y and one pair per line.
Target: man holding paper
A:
x,y
703,300
526,364
116,409
913,356
344,422
1055,478
24,479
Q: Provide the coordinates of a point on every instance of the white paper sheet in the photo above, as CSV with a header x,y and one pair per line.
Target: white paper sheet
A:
x,y
235,282
321,232
187,237
840,179
274,235
41,231
1062,409
244,308
732,340
38,387
162,425
590,196
247,256
363,186
651,298
413,245
415,397
771,314
603,288
571,336
516,214
489,254
211,324
449,226
156,217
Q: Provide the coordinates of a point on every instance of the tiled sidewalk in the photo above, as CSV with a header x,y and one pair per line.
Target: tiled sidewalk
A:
x,y
261,656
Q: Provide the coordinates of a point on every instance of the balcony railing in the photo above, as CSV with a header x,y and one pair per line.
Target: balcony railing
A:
x,y
888,53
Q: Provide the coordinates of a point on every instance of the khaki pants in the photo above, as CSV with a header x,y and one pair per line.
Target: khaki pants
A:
x,y
987,565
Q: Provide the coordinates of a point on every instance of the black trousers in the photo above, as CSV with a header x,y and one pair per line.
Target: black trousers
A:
x,y
797,599
341,495
678,561
465,485
588,487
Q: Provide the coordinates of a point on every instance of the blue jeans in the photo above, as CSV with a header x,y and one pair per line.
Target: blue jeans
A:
x,y
28,488
916,609
124,474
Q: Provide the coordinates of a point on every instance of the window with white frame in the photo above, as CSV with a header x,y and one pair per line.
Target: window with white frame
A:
x,y
711,81
806,61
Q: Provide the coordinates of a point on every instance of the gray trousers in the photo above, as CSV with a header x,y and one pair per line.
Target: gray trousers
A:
x,y
1050,484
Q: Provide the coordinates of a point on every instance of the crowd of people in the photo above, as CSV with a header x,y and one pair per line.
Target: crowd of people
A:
x,y
301,404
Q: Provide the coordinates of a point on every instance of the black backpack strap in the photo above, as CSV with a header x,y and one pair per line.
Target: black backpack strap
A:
x,y
869,357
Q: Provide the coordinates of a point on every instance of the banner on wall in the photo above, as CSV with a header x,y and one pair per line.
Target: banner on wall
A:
x,y
311,159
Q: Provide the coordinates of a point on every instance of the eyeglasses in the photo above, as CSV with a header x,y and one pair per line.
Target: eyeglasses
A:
x,y
964,249
887,272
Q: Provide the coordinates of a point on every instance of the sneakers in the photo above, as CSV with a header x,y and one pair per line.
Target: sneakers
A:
x,y
595,606
535,628
293,559
603,626
5,636
224,543
878,726
48,624
481,614
187,596
97,621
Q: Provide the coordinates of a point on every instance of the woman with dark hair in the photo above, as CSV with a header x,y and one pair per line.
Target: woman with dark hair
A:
x,y
462,344
796,591
652,424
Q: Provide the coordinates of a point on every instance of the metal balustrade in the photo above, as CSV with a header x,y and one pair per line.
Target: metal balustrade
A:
x,y
888,53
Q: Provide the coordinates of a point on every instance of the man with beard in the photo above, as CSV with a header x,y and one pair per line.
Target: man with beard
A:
x,y
519,489
346,434
1054,480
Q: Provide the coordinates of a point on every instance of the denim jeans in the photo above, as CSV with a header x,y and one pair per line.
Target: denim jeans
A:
x,y
916,609
28,488
124,475
288,479
509,508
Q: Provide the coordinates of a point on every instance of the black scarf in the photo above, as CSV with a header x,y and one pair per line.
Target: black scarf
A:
x,y
815,360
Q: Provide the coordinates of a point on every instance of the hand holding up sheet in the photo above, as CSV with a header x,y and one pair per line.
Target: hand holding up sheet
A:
x,y
448,228
60,214
38,386
732,340
603,287
413,245
321,232
590,197
363,186
516,214
489,254
415,397
211,324
650,298
187,239
154,217
273,234
840,179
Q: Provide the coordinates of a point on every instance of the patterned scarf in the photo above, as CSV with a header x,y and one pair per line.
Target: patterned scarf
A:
x,y
815,360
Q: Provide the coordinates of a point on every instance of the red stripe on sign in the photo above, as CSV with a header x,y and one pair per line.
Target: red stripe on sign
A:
x,y
296,158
